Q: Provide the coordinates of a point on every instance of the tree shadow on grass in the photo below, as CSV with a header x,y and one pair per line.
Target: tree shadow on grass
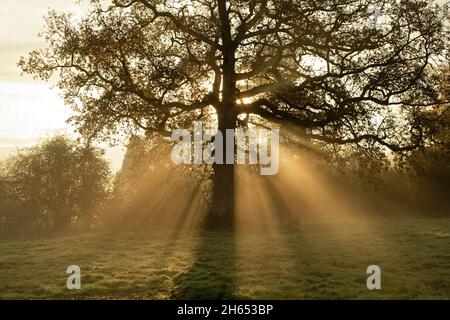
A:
x,y
212,274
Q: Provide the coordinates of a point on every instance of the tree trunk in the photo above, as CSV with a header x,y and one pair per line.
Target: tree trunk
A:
x,y
220,213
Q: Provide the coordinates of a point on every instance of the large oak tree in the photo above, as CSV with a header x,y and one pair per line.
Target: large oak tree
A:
x,y
317,66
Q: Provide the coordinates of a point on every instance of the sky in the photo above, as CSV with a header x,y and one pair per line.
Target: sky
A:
x,y
30,110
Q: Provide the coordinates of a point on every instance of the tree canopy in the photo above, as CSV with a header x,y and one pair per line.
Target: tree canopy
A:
x,y
152,64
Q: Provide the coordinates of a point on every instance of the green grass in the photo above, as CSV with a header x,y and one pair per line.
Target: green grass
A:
x,y
309,262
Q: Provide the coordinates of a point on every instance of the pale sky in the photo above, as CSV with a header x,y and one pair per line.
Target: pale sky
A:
x,y
29,109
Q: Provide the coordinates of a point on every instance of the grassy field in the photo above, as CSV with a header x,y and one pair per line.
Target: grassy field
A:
x,y
309,262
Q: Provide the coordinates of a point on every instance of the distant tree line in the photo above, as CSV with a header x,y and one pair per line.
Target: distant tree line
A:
x,y
62,185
